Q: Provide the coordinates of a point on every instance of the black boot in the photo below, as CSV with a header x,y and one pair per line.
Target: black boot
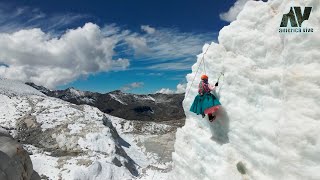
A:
x,y
211,117
203,115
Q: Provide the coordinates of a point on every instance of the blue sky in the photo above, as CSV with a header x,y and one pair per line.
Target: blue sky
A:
x,y
136,46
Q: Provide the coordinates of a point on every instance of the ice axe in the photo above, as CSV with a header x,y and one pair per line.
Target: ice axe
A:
x,y
221,74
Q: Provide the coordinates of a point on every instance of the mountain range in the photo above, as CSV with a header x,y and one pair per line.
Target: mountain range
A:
x,y
151,107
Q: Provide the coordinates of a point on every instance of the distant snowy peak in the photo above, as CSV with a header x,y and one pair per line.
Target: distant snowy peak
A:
x,y
117,92
115,97
72,93
12,87
144,97
123,97
39,88
75,92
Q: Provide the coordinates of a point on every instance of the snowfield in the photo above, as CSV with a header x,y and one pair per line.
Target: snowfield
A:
x,y
11,88
67,141
269,125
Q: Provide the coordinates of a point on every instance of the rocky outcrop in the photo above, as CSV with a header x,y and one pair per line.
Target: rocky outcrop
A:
x,y
15,163
129,163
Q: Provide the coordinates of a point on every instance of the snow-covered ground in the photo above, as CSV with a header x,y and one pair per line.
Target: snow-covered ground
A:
x,y
151,146
269,127
64,128
67,141
11,88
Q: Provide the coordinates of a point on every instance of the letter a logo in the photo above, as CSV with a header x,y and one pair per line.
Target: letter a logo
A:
x,y
295,16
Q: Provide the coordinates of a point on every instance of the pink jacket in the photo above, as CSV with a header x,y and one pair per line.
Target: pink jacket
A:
x,y
205,88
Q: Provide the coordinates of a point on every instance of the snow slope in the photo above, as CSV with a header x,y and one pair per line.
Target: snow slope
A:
x,y
269,127
10,88
66,141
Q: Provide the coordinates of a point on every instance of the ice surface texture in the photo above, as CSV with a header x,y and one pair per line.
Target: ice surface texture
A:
x,y
269,125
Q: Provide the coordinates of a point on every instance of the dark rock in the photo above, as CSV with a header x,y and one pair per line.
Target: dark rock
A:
x,y
129,164
35,176
15,163
241,168
116,162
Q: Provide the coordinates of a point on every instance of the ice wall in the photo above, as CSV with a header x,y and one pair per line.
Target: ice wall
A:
x,y
269,127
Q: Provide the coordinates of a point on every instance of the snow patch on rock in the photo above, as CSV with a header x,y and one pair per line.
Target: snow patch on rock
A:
x,y
144,97
113,96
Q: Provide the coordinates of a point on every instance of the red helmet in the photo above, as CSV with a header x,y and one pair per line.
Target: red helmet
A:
x,y
203,77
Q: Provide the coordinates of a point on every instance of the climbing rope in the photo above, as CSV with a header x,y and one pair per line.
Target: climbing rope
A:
x,y
204,64
204,67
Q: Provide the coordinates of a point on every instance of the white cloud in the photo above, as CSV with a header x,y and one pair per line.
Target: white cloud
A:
x,y
171,66
155,74
37,56
131,86
168,49
33,55
146,74
136,84
181,88
171,43
35,47
13,19
165,91
148,29
139,44
233,12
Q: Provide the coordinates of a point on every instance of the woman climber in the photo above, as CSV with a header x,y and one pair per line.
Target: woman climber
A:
x,y
205,102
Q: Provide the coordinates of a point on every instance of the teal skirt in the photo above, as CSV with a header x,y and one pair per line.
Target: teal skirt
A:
x,y
204,102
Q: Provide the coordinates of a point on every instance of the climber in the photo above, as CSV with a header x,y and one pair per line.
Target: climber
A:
x,y
205,102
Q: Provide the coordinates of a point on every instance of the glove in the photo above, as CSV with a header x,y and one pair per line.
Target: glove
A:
x,y
217,83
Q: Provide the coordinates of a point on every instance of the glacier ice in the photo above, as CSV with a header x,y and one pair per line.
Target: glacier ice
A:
x,y
270,121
